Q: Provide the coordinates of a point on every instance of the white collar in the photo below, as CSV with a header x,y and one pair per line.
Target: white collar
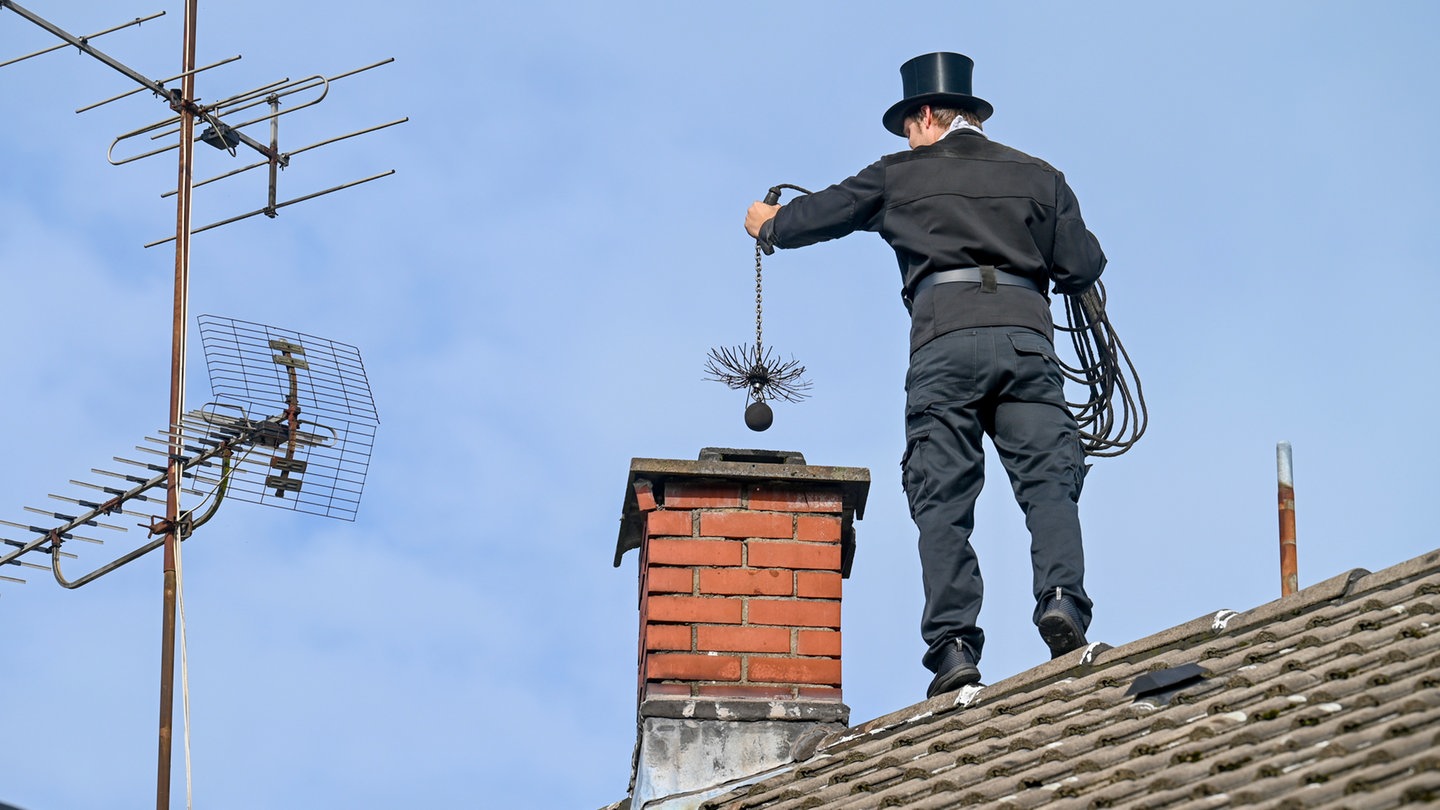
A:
x,y
960,123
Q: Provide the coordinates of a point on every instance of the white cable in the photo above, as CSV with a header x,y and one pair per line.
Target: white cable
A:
x,y
185,658
184,672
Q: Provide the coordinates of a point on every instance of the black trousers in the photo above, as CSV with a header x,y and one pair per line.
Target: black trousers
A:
x,y
1003,382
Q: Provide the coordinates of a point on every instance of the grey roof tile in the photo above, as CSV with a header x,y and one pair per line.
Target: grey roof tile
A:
x,y
1327,698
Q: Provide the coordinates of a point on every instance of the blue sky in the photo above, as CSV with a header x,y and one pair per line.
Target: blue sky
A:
x,y
534,293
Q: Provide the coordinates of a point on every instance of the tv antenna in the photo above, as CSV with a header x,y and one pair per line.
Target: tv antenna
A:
x,y
261,105
291,425
303,447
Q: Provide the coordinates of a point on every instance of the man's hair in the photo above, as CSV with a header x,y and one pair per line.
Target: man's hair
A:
x,y
945,116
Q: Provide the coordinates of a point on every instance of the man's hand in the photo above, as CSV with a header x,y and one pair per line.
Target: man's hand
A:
x,y
758,215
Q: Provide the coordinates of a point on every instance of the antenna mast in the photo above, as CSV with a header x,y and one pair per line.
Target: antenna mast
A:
x,y
185,107
212,439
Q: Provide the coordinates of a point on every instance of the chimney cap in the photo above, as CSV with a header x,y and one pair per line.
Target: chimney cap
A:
x,y
753,456
720,463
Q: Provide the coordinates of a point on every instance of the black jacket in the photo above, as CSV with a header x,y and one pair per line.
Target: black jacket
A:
x,y
964,201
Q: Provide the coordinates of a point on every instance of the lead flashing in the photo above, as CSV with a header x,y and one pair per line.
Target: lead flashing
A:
x,y
740,710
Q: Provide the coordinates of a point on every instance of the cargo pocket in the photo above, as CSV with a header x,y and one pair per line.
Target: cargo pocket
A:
x,y
1028,342
912,469
1038,368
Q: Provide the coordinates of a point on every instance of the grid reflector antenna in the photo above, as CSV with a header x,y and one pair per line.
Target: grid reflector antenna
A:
x,y
292,425
317,392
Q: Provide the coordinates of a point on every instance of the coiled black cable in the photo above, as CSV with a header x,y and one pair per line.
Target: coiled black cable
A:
x,y
1115,416
1111,421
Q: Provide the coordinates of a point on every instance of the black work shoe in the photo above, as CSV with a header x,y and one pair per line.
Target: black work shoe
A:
x,y
1060,624
956,669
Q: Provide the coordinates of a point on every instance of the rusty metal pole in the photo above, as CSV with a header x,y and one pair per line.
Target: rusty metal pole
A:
x,y
274,152
1289,567
184,105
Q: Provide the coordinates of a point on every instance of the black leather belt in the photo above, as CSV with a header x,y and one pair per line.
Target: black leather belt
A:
x,y
975,274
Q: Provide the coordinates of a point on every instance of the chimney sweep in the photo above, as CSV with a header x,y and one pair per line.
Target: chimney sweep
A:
x,y
982,232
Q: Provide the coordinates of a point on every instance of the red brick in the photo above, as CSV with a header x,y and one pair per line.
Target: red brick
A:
x,y
818,584
670,522
817,642
793,613
694,552
746,524
817,529
763,498
822,556
667,690
743,639
700,496
659,579
694,610
820,693
666,667
644,496
747,692
824,671
668,637
748,581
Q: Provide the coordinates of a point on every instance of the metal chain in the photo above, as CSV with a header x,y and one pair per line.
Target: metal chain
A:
x,y
758,303
772,197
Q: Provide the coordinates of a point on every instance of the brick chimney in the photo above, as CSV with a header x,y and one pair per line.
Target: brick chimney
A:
x,y
742,554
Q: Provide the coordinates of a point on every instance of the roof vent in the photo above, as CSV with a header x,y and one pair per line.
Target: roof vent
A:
x,y
1160,686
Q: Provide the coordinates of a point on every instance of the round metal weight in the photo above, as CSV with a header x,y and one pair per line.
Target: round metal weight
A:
x,y
759,417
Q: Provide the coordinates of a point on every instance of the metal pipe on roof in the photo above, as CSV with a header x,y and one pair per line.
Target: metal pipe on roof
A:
x,y
1289,567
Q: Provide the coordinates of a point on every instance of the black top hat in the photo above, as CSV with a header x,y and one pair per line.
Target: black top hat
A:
x,y
940,79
